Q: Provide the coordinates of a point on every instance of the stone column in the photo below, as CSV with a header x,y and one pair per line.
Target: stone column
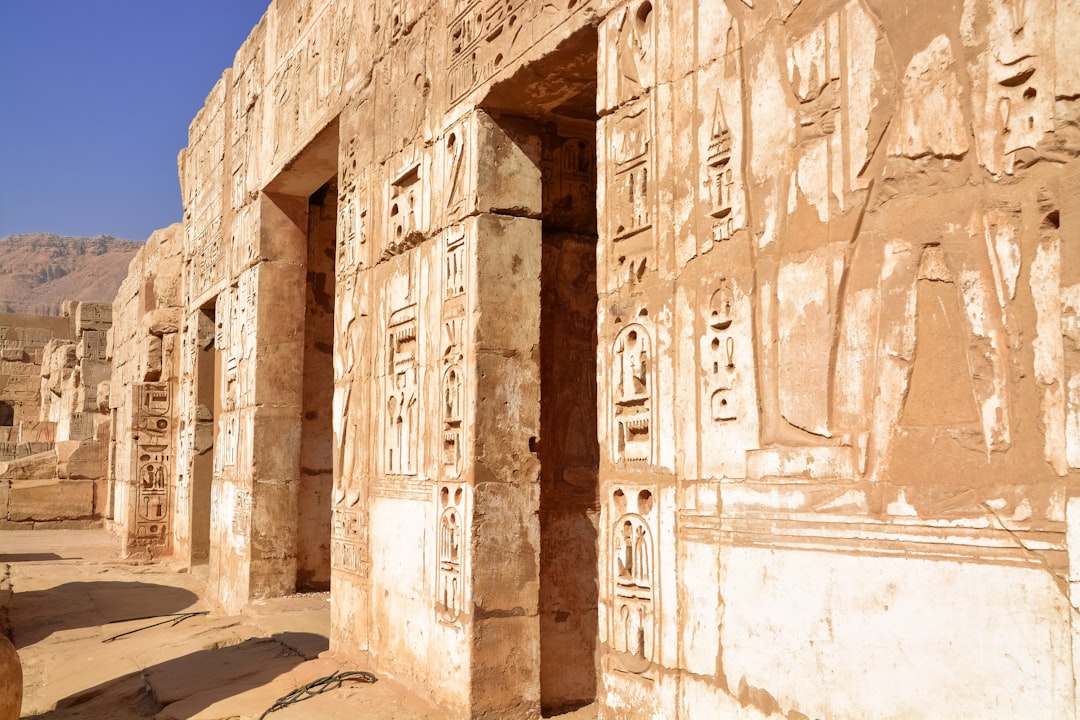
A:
x,y
505,533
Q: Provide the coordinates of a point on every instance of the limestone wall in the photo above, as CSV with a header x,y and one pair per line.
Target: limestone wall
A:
x,y
23,339
143,348
796,440
52,466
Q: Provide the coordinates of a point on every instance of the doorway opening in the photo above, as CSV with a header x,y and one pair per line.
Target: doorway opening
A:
x,y
207,408
551,104
316,418
298,218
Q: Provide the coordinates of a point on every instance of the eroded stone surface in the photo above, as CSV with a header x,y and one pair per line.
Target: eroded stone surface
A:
x,y
52,442
698,359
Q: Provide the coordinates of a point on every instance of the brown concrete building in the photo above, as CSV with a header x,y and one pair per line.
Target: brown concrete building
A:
x,y
697,358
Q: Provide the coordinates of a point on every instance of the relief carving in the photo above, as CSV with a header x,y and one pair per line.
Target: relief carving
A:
x,y
720,371
633,571
486,34
632,393
154,450
348,551
353,211
403,367
451,547
404,213
636,51
455,275
630,194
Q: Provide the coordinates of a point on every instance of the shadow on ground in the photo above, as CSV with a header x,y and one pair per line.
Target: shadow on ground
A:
x,y
181,687
37,614
32,557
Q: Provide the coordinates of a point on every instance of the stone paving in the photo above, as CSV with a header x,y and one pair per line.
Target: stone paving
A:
x,y
71,593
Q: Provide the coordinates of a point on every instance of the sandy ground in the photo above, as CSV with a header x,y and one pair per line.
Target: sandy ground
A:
x,y
72,593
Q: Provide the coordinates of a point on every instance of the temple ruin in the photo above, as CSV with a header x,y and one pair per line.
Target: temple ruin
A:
x,y
55,425
694,359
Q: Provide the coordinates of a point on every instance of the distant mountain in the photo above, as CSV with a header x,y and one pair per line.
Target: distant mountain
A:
x,y
38,272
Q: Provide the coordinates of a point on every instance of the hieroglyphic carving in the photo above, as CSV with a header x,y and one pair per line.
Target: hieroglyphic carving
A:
x,y
204,184
348,551
153,429
1014,84
635,48
630,194
719,359
569,170
241,516
353,210
632,395
633,571
721,175
450,551
486,35
402,382
404,212
453,395
455,263
456,174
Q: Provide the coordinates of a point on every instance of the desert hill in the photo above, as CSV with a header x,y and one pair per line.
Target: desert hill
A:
x,y
39,271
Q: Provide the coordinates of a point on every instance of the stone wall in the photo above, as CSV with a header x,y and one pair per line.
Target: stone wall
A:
x,y
699,359
143,347
52,462
23,339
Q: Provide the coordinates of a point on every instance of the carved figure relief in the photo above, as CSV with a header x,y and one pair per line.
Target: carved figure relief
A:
x,y
400,432
451,546
632,567
636,50
632,388
804,249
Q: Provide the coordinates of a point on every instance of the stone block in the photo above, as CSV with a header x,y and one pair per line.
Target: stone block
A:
x,y
14,354
37,432
31,467
508,171
276,444
80,459
505,657
150,358
93,316
52,499
162,321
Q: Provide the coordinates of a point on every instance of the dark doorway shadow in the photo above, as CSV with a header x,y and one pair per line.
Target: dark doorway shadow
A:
x,y
192,682
37,614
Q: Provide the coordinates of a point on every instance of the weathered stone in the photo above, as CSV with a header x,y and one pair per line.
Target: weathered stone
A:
x,y
50,499
649,354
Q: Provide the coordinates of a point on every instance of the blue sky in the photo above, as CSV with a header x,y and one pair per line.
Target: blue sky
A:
x,y
95,101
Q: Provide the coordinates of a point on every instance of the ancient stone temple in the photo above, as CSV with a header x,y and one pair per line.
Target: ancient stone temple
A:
x,y
695,358
54,418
